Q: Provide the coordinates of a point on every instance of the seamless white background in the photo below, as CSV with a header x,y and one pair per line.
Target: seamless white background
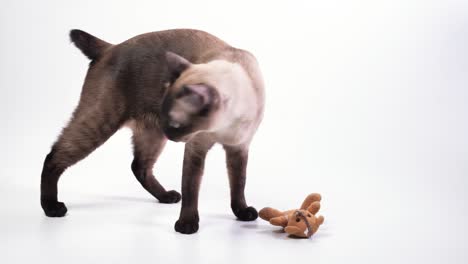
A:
x,y
366,104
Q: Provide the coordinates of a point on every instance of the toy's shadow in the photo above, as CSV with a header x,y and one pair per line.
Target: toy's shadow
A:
x,y
258,226
279,233
272,232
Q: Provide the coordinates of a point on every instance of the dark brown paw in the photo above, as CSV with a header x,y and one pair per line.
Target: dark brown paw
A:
x,y
54,209
186,227
169,197
246,214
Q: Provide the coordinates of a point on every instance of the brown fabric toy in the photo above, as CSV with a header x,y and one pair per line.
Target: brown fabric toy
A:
x,y
301,222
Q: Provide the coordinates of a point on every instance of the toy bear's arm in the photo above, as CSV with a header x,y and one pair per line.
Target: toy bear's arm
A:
x,y
275,217
279,221
268,213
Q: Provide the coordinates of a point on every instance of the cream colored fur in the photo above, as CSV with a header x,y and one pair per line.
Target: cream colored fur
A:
x,y
235,122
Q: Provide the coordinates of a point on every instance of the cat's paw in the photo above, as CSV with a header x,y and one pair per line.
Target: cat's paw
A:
x,y
54,208
169,197
186,227
246,214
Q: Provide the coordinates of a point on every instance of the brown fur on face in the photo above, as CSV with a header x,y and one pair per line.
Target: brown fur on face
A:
x,y
187,108
215,95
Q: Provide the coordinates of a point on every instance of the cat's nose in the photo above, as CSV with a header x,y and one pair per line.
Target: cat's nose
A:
x,y
172,137
174,124
172,133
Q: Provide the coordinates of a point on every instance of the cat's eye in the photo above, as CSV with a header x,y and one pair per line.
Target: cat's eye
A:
x,y
298,219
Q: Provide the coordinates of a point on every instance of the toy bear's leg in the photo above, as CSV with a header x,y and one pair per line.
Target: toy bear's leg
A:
x,y
314,208
320,220
314,197
267,213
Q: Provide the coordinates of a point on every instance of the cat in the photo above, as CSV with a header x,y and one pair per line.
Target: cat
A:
x,y
184,85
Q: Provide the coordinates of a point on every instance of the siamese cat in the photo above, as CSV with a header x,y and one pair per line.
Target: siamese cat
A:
x,y
183,85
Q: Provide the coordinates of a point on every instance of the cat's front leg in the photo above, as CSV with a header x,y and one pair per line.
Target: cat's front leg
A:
x,y
236,160
194,161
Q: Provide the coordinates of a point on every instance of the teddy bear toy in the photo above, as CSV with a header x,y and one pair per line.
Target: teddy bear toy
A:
x,y
301,222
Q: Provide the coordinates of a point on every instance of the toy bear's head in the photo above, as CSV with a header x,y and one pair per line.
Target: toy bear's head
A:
x,y
304,223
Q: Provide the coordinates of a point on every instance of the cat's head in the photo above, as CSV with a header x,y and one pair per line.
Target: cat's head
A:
x,y
191,103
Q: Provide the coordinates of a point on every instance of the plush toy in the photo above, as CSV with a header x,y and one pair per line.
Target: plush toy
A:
x,y
301,222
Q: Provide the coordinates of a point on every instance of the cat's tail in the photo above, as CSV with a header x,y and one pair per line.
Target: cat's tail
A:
x,y
90,45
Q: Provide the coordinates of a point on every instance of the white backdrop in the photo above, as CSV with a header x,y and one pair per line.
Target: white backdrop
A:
x,y
366,104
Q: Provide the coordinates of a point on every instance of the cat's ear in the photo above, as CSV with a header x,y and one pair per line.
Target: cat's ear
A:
x,y
176,65
200,96
200,91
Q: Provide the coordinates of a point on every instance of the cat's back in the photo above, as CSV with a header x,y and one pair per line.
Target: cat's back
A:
x,y
192,44
139,67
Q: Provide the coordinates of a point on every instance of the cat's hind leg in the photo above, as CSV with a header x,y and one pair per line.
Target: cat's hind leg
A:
x,y
93,122
148,143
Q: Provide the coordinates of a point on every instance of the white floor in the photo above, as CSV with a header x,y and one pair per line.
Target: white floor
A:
x,y
111,219
366,104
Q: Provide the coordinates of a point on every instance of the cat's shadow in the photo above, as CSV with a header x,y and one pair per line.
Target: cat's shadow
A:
x,y
103,201
130,199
